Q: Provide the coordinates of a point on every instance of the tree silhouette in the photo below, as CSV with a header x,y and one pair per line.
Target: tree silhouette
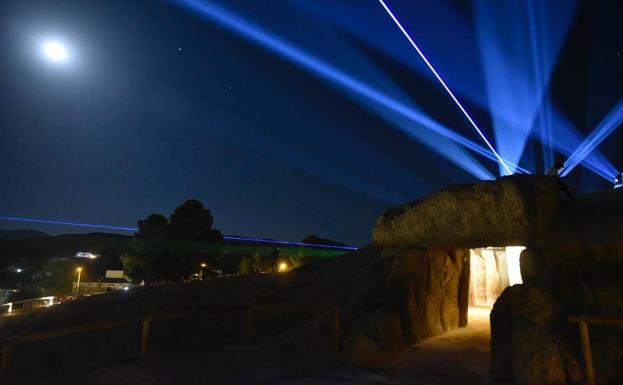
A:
x,y
170,250
154,226
192,221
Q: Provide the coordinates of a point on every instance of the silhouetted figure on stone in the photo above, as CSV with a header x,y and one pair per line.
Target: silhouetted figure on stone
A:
x,y
555,172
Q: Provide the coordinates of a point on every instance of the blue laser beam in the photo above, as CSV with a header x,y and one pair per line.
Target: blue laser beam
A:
x,y
287,243
519,42
454,98
568,139
134,229
543,117
318,67
66,223
611,122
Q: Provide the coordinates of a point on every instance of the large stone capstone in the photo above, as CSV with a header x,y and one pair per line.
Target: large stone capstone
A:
x,y
514,210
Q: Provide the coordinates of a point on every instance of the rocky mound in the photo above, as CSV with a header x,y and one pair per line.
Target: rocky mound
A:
x,y
512,210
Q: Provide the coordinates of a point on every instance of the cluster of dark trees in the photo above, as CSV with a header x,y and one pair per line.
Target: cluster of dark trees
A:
x,y
172,249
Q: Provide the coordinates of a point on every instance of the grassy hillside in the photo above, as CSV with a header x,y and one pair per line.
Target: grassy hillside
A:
x,y
216,318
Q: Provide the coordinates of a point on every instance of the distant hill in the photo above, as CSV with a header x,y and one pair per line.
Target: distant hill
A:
x,y
64,246
316,240
17,235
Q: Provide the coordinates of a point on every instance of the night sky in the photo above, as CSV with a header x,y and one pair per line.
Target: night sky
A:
x,y
157,104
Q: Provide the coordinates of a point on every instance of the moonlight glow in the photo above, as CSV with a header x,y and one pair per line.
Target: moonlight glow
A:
x,y
55,51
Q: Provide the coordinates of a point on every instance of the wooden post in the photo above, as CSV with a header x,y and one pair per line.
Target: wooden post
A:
x,y
145,337
586,352
338,332
249,321
7,355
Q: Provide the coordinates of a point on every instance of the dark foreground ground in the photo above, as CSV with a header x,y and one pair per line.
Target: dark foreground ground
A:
x,y
209,344
457,357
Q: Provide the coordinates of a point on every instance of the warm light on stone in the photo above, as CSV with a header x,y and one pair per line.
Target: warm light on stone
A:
x,y
492,269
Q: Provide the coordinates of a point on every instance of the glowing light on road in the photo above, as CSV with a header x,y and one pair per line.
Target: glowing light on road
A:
x,y
283,267
456,101
55,51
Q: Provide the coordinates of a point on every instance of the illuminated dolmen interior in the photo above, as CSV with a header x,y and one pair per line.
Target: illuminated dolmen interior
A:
x,y
492,269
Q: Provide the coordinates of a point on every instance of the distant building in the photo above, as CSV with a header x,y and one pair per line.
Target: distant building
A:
x,y
113,280
82,254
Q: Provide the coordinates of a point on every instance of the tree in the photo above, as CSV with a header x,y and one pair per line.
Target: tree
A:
x,y
258,263
169,250
246,266
58,275
192,221
154,226
134,267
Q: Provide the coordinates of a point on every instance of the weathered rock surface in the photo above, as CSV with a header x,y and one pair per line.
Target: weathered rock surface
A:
x,y
532,268
514,210
424,287
536,360
586,280
572,265
518,302
426,290
378,342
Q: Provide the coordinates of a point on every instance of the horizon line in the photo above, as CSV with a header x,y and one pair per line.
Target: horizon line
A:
x,y
134,229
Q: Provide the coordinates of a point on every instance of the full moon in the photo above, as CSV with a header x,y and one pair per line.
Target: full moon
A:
x,y
55,51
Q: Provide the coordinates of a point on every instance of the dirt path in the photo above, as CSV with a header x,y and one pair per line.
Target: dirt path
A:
x,y
454,358
460,356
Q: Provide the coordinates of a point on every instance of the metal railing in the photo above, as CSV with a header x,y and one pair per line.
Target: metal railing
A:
x,y
28,304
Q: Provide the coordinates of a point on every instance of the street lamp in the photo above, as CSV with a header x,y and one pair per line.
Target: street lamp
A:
x,y
79,270
203,266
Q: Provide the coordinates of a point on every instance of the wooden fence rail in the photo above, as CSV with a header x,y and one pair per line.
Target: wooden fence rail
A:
x,y
146,326
587,354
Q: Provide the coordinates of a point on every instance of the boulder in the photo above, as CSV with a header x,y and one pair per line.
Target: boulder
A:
x,y
518,302
531,265
586,280
378,342
429,289
536,360
514,210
